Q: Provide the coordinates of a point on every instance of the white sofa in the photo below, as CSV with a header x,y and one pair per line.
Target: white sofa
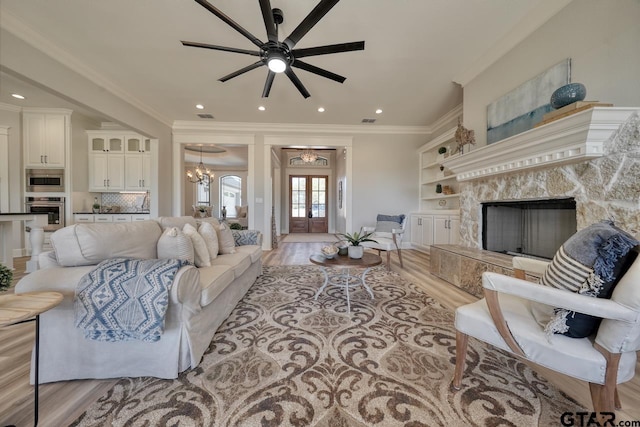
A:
x,y
200,300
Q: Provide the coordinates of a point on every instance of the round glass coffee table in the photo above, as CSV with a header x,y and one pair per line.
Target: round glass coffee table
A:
x,y
344,278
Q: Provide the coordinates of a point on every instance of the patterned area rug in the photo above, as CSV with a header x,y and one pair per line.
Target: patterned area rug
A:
x,y
283,359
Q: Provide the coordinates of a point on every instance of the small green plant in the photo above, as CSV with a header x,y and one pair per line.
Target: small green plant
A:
x,y
96,206
6,276
358,237
235,226
442,150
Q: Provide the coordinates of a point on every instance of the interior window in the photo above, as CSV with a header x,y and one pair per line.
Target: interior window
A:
x,y
203,192
231,194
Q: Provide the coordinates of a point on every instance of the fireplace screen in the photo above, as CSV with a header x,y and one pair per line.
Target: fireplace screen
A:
x,y
531,227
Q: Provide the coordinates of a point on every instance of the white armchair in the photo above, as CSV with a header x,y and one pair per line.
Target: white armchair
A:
x,y
388,241
504,319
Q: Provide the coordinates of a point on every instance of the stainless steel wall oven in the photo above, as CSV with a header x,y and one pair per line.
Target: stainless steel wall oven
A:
x,y
52,206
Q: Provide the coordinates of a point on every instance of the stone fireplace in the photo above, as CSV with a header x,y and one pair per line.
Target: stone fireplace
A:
x,y
592,157
600,169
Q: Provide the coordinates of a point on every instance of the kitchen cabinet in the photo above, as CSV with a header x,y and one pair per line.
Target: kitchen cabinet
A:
x,y
46,137
106,172
109,218
119,161
137,171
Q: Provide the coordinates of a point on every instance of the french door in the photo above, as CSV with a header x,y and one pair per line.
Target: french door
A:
x,y
308,204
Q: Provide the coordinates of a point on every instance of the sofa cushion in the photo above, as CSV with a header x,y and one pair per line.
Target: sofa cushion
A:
x,y
254,251
591,262
210,237
176,221
89,244
175,244
238,262
214,280
201,253
226,242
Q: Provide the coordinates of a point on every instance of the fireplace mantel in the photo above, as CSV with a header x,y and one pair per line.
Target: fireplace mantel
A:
x,y
573,139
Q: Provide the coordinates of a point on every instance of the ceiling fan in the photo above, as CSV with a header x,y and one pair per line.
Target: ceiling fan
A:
x,y
281,56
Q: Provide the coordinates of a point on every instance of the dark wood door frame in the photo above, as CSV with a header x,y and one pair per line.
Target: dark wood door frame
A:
x,y
305,216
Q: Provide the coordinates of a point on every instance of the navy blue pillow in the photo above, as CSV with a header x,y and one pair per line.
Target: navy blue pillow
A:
x,y
591,262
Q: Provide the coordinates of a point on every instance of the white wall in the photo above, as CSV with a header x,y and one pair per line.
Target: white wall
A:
x,y
12,118
602,39
385,177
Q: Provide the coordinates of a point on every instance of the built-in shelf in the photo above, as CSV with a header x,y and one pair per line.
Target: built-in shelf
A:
x,y
440,196
573,139
442,179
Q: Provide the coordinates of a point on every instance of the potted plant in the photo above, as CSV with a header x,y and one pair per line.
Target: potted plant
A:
x,y
441,152
355,250
6,275
96,207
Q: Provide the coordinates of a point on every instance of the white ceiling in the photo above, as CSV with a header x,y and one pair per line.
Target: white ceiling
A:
x,y
414,50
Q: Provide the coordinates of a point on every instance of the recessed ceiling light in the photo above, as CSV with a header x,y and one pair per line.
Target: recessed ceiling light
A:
x,y
321,109
200,106
378,111
261,108
17,95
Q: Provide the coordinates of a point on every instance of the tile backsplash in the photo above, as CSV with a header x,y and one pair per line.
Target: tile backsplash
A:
x,y
119,202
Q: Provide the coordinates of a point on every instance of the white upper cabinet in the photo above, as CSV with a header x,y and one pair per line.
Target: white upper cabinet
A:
x,y
47,137
119,161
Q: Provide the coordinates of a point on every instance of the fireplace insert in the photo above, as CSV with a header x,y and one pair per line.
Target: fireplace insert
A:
x,y
535,228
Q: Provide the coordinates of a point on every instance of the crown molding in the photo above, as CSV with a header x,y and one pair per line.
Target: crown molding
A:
x,y
38,41
186,126
9,107
445,119
537,17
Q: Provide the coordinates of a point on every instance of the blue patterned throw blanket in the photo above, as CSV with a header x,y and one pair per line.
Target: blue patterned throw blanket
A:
x,y
124,299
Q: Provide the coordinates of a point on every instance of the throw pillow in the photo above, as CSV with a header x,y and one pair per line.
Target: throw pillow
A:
x,y
226,242
210,237
591,262
202,258
173,243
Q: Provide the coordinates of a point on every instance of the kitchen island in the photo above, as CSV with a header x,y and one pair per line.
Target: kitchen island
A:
x,y
8,221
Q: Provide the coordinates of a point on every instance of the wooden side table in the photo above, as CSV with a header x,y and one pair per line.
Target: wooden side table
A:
x,y
16,309
344,279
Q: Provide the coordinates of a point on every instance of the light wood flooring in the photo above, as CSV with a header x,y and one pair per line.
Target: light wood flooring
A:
x,y
63,402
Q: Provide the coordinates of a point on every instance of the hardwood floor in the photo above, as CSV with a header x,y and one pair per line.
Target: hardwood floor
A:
x,y
63,402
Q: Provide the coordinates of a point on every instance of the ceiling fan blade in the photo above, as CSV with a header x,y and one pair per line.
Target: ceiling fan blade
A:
x,y
268,83
319,71
269,23
233,24
296,82
325,50
223,48
307,23
241,71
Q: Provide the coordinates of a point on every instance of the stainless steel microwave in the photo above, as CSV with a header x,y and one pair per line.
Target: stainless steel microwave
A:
x,y
44,180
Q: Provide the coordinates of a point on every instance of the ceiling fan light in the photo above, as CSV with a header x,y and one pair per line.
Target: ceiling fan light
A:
x,y
276,62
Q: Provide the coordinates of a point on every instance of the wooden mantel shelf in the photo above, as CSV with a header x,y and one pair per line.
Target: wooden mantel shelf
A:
x,y
573,139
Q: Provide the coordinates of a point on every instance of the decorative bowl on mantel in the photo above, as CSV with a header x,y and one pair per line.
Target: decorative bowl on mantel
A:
x,y
568,94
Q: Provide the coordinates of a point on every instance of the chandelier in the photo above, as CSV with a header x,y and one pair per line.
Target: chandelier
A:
x,y
200,173
308,156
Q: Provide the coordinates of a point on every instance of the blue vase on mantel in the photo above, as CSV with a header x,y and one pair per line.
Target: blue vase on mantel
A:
x,y
568,94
